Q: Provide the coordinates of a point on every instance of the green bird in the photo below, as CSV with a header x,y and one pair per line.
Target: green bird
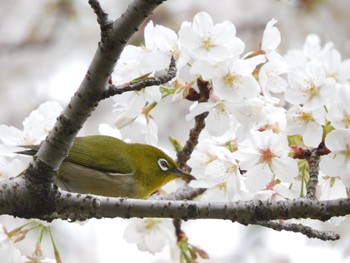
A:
x,y
107,166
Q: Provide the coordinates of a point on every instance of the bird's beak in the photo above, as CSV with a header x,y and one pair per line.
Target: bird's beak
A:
x,y
185,176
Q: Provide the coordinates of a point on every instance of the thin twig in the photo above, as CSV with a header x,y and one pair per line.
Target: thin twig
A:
x,y
313,161
102,19
184,155
152,81
178,231
300,228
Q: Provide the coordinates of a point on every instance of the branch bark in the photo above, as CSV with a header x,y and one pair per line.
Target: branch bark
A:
x,y
81,207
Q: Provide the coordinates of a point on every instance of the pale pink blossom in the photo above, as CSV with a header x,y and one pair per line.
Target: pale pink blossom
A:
x,y
337,163
310,86
307,123
205,40
264,158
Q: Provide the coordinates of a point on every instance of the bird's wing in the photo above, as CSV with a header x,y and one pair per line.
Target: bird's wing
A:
x,y
87,150
80,179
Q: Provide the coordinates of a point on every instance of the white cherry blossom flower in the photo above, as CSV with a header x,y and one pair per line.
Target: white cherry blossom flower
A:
x,y
298,58
150,234
35,127
327,56
310,87
274,119
276,192
205,40
135,62
330,188
307,123
334,65
10,168
166,41
130,105
220,118
265,157
233,80
146,127
339,110
270,79
337,163
216,168
271,39
249,112
8,251
257,114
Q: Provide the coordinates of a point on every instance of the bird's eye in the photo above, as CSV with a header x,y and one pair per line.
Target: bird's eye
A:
x,y
163,164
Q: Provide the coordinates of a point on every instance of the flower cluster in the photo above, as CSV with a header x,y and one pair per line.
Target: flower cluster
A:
x,y
262,102
262,106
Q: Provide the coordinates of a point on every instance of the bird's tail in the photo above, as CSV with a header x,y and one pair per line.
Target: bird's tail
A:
x,y
32,150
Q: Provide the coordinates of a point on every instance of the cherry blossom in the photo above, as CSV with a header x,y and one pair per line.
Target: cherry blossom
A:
x,y
35,127
271,40
330,188
339,111
337,163
234,81
165,40
205,40
150,234
310,86
310,52
270,79
307,123
132,104
8,250
265,157
9,168
220,118
216,169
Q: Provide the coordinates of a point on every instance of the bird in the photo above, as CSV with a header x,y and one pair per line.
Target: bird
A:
x,y
107,166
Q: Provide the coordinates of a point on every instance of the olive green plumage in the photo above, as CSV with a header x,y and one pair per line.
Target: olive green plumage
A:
x,y
107,166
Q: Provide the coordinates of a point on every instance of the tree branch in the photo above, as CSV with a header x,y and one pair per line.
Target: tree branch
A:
x,y
14,195
313,161
102,20
152,81
82,207
185,154
300,228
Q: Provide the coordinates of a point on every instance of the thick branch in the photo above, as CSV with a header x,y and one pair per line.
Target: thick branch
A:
x,y
14,195
82,207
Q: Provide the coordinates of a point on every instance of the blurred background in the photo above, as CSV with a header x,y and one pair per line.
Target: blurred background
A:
x,y
45,49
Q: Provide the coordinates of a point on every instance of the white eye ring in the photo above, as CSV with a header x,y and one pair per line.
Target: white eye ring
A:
x,y
163,164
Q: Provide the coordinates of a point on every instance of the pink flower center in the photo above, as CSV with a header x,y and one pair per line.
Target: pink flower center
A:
x,y
266,155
